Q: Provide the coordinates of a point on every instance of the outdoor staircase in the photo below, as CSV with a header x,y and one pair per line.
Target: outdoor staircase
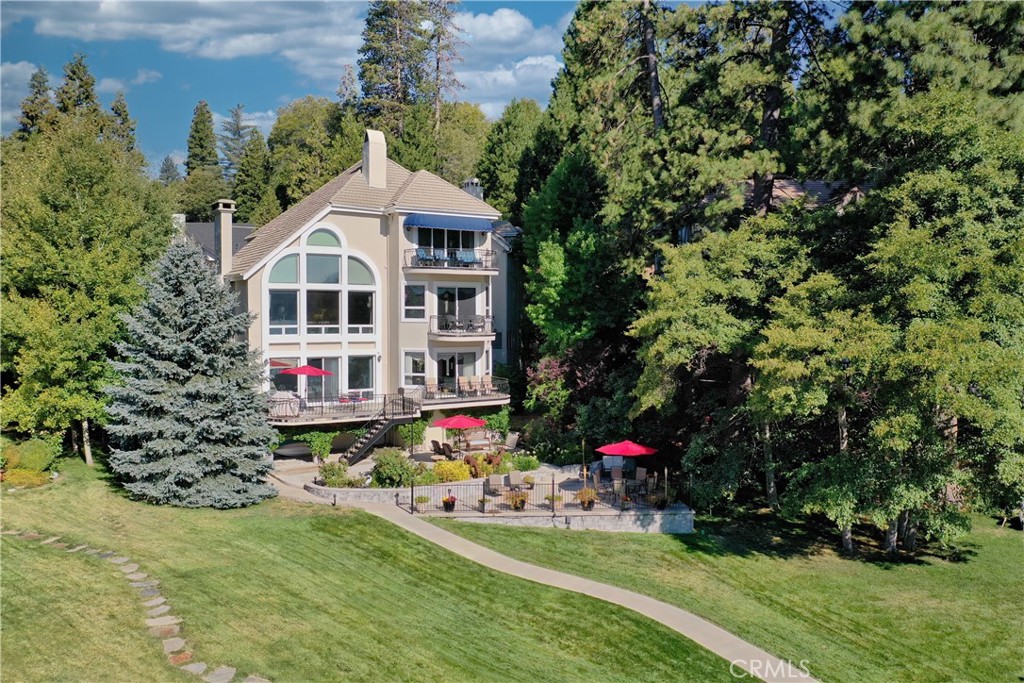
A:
x,y
396,411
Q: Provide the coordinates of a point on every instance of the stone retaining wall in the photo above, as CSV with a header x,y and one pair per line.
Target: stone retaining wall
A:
x,y
673,521
344,496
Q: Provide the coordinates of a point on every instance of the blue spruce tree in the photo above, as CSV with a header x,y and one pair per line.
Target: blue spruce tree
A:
x,y
189,427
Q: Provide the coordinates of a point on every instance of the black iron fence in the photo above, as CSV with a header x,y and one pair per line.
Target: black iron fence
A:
x,y
505,494
461,325
472,259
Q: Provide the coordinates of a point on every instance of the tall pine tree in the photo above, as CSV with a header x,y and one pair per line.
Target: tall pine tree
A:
x,y
235,136
77,93
37,110
121,126
202,142
188,427
253,176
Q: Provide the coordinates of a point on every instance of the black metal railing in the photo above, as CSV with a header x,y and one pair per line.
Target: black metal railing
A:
x,y
466,388
504,494
461,325
427,257
351,406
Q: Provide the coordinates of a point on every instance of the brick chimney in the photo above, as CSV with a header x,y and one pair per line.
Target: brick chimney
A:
x,y
222,234
375,159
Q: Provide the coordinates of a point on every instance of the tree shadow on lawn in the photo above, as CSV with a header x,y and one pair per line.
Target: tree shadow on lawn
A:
x,y
759,531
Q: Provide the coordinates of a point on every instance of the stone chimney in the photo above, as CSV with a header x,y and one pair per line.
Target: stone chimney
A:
x,y
222,234
375,159
472,186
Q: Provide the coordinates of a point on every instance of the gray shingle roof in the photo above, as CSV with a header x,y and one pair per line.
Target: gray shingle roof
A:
x,y
203,234
406,190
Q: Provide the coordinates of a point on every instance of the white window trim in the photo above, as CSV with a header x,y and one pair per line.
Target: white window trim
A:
x,y
426,302
426,367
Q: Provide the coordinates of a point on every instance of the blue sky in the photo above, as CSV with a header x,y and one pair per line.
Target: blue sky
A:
x,y
167,56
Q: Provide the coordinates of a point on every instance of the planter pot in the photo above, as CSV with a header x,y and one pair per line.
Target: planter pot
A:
x,y
587,504
518,506
626,506
448,507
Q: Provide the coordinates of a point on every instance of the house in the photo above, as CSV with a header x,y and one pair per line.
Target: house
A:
x,y
391,283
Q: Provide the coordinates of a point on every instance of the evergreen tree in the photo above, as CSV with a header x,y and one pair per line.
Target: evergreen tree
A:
x,y
392,62
81,223
253,176
121,126
502,156
202,142
37,110
77,93
188,428
169,173
443,54
234,139
198,192
461,142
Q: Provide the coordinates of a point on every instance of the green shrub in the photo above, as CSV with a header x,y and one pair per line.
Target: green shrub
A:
x,y
35,454
498,421
319,442
23,478
335,475
414,431
425,476
524,463
391,469
448,471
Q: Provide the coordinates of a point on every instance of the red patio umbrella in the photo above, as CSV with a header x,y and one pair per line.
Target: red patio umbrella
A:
x,y
627,449
459,422
307,370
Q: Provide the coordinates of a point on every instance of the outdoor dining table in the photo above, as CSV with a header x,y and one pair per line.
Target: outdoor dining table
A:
x,y
284,404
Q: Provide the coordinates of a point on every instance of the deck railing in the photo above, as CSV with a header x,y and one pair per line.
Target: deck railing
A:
x,y
461,325
344,407
472,259
466,388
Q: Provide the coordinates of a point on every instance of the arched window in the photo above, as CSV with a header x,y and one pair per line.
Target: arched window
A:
x,y
361,287
323,238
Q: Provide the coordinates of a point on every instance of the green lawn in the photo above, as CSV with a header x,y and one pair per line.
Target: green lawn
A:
x,y
299,593
781,587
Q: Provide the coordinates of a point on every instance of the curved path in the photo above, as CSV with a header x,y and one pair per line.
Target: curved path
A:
x,y
742,656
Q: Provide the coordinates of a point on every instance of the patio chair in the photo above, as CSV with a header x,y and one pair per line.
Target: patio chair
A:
x,y
616,473
424,257
640,480
466,386
486,385
437,447
449,453
495,483
515,480
511,440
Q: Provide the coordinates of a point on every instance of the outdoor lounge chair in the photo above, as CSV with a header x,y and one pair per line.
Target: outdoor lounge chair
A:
x,y
448,452
424,257
640,480
495,483
437,447
511,440
466,386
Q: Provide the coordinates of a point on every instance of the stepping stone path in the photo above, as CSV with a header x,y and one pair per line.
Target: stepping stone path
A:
x,y
160,623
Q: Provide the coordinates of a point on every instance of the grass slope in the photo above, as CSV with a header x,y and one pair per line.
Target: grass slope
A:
x,y
781,587
305,593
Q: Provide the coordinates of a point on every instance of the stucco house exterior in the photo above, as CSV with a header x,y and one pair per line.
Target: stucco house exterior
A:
x,y
391,281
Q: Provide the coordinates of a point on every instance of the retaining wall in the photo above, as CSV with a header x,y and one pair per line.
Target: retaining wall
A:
x,y
672,521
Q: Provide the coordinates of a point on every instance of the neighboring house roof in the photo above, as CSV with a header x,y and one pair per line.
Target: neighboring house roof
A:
x,y
817,192
202,234
405,191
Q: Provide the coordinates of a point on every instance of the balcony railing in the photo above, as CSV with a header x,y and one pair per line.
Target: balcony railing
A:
x,y
466,388
462,325
361,405
467,259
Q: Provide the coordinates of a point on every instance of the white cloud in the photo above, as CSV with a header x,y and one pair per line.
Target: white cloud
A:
x,y
505,55
110,85
14,78
143,76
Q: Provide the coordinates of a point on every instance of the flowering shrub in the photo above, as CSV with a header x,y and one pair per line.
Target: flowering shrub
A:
x,y
448,470
450,500
524,462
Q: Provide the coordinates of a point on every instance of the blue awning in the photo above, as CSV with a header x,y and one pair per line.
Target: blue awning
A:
x,y
433,220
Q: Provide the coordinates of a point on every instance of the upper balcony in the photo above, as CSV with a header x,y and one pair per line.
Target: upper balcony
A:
x,y
452,261
462,327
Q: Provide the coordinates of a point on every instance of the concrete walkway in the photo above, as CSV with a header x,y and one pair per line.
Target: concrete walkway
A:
x,y
742,656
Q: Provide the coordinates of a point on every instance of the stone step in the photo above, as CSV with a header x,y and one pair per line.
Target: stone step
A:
x,y
221,674
163,621
180,658
144,584
128,568
159,600
157,611
50,540
165,631
137,576
173,645
196,668
149,593
118,560
77,548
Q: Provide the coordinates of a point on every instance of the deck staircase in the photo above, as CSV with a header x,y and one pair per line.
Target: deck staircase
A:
x,y
396,411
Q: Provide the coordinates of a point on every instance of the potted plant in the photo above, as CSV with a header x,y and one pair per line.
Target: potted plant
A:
x,y
554,500
625,502
516,499
421,503
586,497
449,503
483,504
658,501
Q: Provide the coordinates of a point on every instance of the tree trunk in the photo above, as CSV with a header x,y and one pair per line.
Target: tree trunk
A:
x,y
740,382
771,114
847,534
910,540
651,57
86,444
437,87
891,537
901,525
73,433
769,466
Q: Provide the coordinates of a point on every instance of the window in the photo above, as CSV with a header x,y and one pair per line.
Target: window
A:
x,y
442,239
279,382
415,368
415,306
360,374
496,344
286,270
456,301
324,388
323,270
358,273
322,313
360,312
323,238
284,312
